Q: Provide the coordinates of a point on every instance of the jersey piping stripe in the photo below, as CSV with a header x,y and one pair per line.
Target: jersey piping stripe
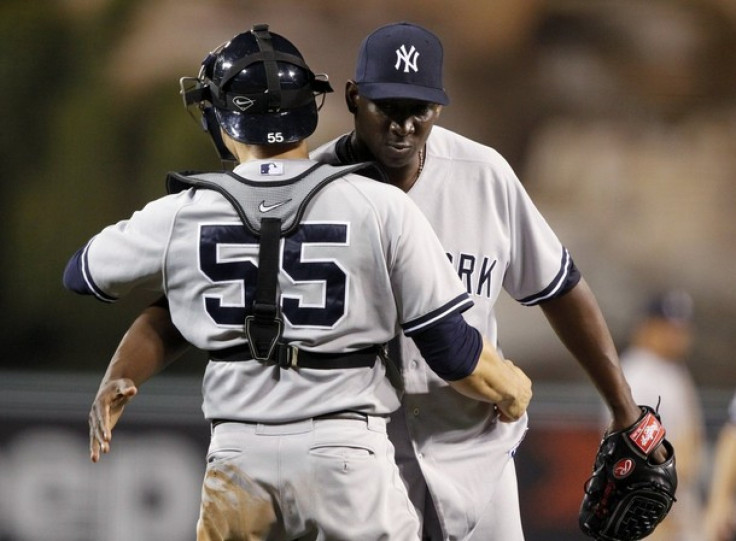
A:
x,y
458,304
96,291
552,289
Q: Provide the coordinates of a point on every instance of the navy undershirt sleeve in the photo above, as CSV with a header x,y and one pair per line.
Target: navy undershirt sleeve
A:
x,y
161,302
451,347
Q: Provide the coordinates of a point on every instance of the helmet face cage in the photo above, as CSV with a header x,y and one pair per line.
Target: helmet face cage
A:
x,y
258,89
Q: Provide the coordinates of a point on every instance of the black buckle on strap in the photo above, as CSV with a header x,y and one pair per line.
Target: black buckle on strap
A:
x,y
263,335
287,356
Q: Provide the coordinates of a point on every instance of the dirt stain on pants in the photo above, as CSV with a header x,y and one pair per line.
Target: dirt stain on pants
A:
x,y
234,507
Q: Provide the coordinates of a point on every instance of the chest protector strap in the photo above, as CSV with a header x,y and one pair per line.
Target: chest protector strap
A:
x,y
264,325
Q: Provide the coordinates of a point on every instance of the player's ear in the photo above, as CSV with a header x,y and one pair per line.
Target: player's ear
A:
x,y
351,94
229,142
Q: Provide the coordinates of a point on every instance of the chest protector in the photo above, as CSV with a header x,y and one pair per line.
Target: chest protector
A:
x,y
287,201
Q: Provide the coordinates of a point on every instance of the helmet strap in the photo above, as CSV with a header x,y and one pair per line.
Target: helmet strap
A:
x,y
265,45
209,121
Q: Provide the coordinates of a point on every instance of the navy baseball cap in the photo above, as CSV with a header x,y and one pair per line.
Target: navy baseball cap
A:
x,y
675,306
401,60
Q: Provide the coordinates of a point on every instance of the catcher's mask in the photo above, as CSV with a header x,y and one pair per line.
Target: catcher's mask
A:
x,y
258,88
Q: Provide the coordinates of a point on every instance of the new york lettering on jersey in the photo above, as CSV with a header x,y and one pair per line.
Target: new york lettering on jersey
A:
x,y
475,271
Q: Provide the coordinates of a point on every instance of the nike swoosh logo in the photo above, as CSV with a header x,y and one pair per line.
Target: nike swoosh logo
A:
x,y
263,207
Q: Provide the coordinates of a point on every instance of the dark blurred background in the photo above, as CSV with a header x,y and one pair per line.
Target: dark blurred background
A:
x,y
618,116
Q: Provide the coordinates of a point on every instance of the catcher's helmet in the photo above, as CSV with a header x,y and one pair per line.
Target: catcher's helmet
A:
x,y
258,88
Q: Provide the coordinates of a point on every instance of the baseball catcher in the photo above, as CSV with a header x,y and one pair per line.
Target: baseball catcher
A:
x,y
628,494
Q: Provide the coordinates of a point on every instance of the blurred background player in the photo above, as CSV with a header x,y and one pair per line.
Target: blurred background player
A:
x,y
655,366
720,515
293,324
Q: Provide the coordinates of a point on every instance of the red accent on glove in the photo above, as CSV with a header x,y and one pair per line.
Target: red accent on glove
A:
x,y
647,434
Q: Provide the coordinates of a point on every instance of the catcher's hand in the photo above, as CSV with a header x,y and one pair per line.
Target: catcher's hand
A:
x,y
106,410
628,494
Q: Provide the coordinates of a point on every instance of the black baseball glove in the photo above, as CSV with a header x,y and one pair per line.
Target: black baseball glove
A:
x,y
628,494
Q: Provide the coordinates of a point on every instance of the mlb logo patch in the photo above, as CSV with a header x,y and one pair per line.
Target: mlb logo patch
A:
x,y
272,168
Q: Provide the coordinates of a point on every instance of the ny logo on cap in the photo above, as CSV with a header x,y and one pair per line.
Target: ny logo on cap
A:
x,y
409,58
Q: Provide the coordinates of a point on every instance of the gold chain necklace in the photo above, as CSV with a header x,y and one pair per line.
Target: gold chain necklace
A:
x,y
421,164
419,170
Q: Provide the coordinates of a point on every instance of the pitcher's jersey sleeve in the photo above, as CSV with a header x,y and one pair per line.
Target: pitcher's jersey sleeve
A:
x,y
487,223
732,411
540,267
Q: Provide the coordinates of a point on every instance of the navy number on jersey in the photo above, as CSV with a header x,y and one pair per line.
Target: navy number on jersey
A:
x,y
228,253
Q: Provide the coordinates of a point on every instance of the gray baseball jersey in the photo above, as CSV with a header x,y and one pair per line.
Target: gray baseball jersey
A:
x,y
496,239
363,263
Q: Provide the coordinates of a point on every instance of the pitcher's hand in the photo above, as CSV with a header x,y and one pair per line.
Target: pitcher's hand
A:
x,y
106,410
